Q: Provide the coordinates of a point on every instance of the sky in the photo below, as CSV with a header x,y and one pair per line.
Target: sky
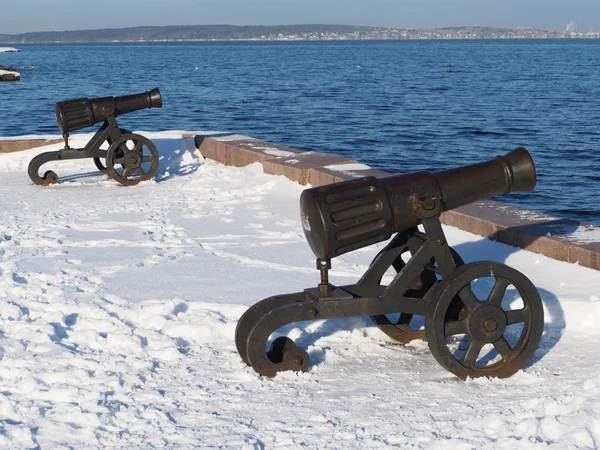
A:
x,y
42,15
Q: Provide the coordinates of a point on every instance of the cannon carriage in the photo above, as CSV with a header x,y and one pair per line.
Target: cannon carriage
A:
x,y
129,159
469,334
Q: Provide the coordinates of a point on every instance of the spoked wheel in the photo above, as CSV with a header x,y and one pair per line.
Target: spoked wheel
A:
x,y
408,327
132,158
98,161
490,339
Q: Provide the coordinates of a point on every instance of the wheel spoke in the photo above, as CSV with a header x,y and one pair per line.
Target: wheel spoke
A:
x,y
456,327
516,316
498,291
434,269
472,353
128,171
503,347
138,147
140,171
119,161
468,298
147,158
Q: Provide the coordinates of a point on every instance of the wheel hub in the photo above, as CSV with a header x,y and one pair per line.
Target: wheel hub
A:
x,y
132,160
490,326
487,323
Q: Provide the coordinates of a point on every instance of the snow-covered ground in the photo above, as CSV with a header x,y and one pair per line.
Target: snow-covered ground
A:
x,y
8,49
118,307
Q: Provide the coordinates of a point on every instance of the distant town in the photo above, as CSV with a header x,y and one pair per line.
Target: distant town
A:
x,y
192,33
433,34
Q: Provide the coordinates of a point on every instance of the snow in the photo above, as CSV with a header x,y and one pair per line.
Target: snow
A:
x,y
351,167
233,137
586,234
8,50
273,151
118,307
582,234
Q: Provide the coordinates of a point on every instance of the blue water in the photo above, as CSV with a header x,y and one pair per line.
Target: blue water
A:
x,y
397,106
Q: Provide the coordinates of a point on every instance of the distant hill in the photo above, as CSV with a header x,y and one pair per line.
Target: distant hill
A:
x,y
181,33
279,32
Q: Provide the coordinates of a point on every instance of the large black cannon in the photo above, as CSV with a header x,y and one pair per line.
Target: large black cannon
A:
x,y
473,323
129,159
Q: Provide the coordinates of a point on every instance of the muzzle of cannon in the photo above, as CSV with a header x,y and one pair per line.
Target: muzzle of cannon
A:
x,y
479,319
129,159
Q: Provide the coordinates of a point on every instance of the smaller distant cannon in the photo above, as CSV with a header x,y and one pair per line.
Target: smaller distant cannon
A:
x,y
129,159
473,323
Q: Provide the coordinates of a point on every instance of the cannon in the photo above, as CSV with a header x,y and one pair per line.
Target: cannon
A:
x,y
482,318
129,159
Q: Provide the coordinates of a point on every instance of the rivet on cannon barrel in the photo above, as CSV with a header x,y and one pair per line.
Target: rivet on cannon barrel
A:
x,y
468,335
130,158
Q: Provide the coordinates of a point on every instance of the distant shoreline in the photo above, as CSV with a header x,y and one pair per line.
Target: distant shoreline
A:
x,y
301,40
286,33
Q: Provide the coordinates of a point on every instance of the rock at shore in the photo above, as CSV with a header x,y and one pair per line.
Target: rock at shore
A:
x,y
9,74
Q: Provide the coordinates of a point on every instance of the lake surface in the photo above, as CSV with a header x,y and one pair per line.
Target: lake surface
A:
x,y
399,106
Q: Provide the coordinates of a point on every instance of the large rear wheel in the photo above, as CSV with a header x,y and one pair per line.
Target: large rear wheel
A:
x,y
498,332
132,158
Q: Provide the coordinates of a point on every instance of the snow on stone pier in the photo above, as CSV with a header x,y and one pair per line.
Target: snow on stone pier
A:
x,y
118,307
9,75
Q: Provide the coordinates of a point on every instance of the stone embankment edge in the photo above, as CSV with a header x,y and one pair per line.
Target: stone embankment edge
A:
x,y
554,237
16,145
561,239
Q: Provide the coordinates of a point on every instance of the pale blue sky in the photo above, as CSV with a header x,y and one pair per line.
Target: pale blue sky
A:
x,y
42,15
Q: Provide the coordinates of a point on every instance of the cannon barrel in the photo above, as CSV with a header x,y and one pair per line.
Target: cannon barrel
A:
x,y
342,217
81,113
